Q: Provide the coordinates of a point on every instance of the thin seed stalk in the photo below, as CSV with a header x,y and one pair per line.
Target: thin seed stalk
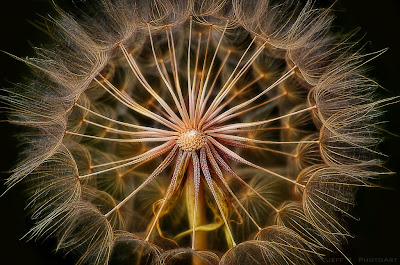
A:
x,y
200,241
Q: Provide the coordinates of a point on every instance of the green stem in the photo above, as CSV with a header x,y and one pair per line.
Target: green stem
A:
x,y
201,236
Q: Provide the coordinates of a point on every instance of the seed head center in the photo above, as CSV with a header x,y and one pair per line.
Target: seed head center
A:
x,y
191,140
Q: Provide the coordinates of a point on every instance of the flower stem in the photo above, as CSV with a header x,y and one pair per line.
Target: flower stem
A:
x,y
200,239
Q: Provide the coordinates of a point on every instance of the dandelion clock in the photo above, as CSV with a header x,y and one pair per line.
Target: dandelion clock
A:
x,y
195,132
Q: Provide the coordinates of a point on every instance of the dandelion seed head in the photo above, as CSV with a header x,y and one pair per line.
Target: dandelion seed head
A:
x,y
196,128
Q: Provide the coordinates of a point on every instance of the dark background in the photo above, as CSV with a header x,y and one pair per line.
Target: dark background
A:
x,y
377,234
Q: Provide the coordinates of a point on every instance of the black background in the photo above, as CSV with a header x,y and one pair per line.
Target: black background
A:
x,y
377,234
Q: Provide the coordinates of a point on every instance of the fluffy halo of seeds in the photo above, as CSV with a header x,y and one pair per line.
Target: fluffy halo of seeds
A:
x,y
203,132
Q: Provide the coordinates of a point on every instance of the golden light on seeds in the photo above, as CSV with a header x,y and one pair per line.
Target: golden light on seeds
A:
x,y
197,132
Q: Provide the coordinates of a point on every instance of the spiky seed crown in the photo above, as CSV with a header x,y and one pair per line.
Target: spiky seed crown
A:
x,y
196,128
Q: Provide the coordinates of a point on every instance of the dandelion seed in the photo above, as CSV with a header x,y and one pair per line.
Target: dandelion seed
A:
x,y
196,132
